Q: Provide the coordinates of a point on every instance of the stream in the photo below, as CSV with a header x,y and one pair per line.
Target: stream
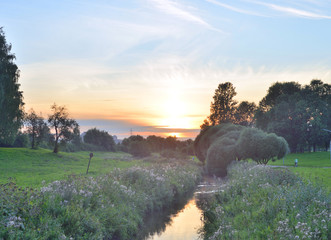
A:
x,y
184,219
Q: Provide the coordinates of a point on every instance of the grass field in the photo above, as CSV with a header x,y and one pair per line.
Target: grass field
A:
x,y
30,167
315,167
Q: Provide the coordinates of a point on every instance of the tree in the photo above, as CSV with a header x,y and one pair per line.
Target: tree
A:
x,y
100,138
156,143
36,127
64,127
296,113
244,113
221,153
126,142
11,98
207,137
260,146
139,148
223,108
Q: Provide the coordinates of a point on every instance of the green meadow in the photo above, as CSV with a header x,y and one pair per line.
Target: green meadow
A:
x,y
30,167
314,166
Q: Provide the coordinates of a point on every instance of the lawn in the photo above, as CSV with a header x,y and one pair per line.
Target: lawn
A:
x,y
30,167
312,159
315,167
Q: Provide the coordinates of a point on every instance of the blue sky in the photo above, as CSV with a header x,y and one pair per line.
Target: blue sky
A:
x,y
152,64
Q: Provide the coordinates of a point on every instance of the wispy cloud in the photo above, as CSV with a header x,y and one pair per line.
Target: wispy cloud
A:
x,y
238,10
293,11
175,9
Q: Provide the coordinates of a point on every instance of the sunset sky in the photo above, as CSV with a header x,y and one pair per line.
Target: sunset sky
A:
x,y
153,65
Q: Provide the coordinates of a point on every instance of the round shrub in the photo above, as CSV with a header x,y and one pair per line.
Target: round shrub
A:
x,y
221,153
207,137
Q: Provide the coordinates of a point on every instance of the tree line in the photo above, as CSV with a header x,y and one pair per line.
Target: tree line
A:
x,y
299,113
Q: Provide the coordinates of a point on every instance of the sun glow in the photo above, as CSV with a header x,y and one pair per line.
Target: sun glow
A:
x,y
175,111
174,134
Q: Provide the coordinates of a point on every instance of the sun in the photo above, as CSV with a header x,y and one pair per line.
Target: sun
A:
x,y
175,111
174,134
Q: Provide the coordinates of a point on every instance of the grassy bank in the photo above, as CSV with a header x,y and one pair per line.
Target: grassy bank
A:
x,y
307,159
259,202
31,167
107,206
315,167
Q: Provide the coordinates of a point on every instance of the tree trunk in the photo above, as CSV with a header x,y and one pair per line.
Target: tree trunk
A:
x,y
56,147
33,139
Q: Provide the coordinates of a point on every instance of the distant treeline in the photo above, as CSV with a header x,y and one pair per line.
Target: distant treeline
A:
x,y
300,114
169,147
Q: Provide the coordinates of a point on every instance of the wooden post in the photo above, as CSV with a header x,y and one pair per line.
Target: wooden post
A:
x,y
91,155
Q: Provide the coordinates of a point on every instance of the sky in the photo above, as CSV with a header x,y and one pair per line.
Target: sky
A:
x,y
153,65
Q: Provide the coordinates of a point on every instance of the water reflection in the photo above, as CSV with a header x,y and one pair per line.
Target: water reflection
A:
x,y
184,219
183,225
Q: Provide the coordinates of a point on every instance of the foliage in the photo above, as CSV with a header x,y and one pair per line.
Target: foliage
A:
x,y
258,202
207,136
11,98
37,128
126,142
64,127
22,140
260,146
244,113
111,206
221,153
156,144
100,138
221,144
290,111
222,109
139,148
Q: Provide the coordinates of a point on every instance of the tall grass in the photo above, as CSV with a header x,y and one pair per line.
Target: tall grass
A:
x,y
258,202
111,206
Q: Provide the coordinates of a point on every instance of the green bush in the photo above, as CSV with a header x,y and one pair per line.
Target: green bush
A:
x,y
260,146
221,153
207,137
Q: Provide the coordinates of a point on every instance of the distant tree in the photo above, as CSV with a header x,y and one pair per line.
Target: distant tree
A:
x,y
206,123
156,143
64,126
279,89
296,113
139,148
244,113
22,140
36,127
222,109
126,142
171,143
318,96
11,98
100,138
